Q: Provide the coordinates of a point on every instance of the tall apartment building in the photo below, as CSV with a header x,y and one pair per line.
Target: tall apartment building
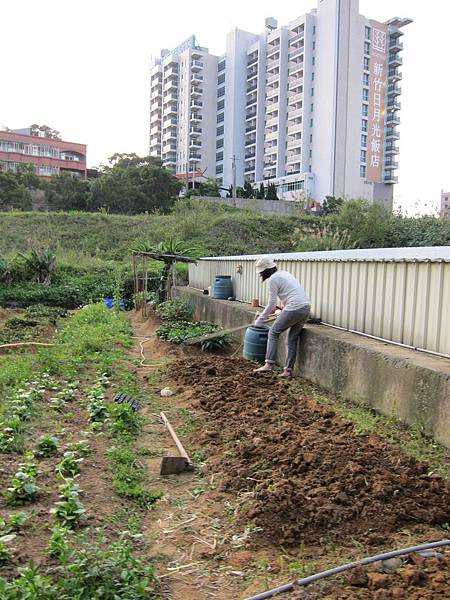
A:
x,y
445,205
312,106
49,156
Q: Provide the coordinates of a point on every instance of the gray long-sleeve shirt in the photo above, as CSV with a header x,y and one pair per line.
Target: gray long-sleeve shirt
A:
x,y
284,286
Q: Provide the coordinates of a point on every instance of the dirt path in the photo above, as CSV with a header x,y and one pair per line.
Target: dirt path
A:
x,y
283,489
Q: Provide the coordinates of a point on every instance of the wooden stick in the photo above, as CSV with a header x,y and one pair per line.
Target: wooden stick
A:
x,y
179,445
216,334
25,344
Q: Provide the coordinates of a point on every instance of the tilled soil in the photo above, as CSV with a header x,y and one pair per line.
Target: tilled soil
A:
x,y
416,579
308,476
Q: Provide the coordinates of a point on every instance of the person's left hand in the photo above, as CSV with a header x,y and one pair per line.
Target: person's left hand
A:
x,y
258,322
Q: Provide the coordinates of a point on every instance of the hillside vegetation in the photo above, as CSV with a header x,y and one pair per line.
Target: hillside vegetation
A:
x,y
217,230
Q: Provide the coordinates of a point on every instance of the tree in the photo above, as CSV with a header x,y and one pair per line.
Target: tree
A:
x,y
331,205
248,190
46,131
13,193
261,193
240,191
209,187
271,193
131,184
67,192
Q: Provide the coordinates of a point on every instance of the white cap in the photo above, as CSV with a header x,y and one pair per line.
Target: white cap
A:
x,y
263,263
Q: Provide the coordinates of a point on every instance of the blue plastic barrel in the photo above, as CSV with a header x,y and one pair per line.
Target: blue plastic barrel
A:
x,y
108,302
223,287
255,343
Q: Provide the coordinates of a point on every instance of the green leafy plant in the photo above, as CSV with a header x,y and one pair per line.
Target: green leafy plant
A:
x,y
179,309
69,509
29,585
23,486
47,446
124,421
17,521
69,466
129,476
80,448
41,311
58,546
6,554
181,331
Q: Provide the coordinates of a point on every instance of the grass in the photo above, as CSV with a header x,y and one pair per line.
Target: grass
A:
x,y
411,440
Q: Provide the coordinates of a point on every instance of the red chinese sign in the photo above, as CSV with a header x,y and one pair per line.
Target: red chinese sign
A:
x,y
377,100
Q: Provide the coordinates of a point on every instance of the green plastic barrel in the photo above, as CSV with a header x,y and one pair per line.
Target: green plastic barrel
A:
x,y
255,343
223,287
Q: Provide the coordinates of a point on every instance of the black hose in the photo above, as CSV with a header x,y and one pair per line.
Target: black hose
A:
x,y
288,587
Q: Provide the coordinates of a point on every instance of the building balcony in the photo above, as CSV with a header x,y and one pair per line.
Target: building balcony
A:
x,y
273,78
294,143
296,84
169,136
252,60
294,113
250,115
296,37
170,110
196,92
395,45
155,130
195,118
249,155
294,128
394,75
155,106
391,149
155,117
195,144
272,49
171,70
250,141
250,127
156,93
196,78
171,85
251,88
271,135
395,60
390,163
170,97
169,147
394,90
392,134
295,53
295,66
249,168
195,131
392,119
172,123
195,157
251,74
390,178
196,105
196,66
272,91
393,105
251,101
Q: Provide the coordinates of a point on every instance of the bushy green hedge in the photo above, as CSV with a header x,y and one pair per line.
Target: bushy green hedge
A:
x,y
179,332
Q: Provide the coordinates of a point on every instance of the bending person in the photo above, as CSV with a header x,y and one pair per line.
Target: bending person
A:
x,y
296,311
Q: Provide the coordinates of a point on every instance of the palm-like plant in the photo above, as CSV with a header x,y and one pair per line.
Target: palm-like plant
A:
x,y
40,264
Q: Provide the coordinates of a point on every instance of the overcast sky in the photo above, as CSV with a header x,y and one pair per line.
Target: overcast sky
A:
x,y
82,68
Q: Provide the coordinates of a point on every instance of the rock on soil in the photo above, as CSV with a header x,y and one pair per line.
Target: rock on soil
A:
x,y
309,475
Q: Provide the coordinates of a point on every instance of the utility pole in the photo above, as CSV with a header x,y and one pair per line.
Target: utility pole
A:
x,y
233,166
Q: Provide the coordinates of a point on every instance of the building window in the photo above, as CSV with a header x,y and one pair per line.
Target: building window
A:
x,y
362,171
220,130
314,45
221,79
365,110
366,79
312,76
314,29
365,96
221,117
363,156
366,47
366,63
221,66
312,91
310,138
219,169
219,143
313,61
221,103
221,92
364,140
367,33
310,153
311,122
312,107
219,156
364,124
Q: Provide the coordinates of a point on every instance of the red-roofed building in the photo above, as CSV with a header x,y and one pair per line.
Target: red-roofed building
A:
x,y
49,156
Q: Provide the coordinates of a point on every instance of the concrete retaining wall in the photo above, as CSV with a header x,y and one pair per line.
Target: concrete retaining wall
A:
x,y
395,381
278,207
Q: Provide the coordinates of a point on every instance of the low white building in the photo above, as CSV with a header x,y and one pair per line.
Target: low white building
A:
x,y
312,106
